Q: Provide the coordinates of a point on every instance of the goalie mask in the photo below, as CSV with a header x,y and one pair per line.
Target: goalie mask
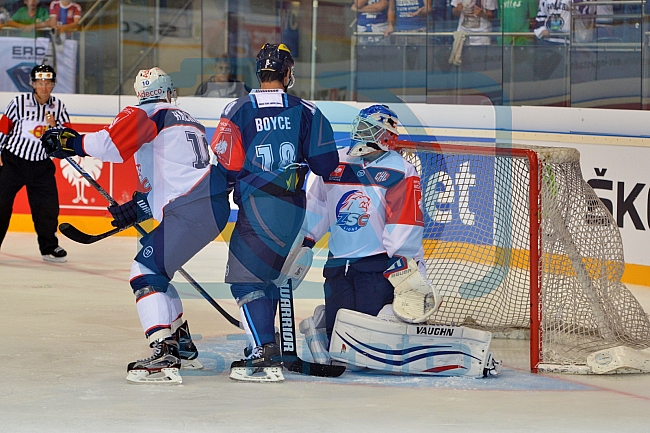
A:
x,y
375,128
152,85
278,59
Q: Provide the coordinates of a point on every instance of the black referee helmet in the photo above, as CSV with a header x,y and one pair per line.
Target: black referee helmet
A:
x,y
42,72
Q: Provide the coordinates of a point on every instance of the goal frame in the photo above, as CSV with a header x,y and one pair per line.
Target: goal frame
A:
x,y
534,218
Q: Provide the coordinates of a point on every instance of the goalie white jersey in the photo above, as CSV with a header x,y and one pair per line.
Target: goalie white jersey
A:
x,y
377,207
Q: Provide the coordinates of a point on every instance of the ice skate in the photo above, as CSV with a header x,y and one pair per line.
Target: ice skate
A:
x,y
186,348
56,256
161,367
264,364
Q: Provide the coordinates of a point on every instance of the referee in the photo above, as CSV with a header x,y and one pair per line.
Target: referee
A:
x,y
23,162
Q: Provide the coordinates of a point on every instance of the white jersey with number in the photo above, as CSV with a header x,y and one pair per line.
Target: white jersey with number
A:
x,y
369,208
169,146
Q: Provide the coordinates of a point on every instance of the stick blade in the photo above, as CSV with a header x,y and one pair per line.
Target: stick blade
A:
x,y
297,365
73,233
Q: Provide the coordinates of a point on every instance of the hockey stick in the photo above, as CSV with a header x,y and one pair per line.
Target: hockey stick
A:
x,y
143,232
73,233
290,357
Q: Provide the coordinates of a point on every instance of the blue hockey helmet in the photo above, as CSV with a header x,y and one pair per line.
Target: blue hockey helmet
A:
x,y
375,128
275,58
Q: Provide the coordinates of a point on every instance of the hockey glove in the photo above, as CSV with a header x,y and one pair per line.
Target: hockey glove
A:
x,y
54,140
131,212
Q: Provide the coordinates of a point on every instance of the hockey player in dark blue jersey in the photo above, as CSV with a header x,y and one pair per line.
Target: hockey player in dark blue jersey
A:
x,y
267,141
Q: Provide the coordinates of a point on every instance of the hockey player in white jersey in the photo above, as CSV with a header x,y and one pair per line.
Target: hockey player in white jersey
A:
x,y
180,189
371,205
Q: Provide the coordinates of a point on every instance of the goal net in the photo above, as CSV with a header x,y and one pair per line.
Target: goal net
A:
x,y
516,240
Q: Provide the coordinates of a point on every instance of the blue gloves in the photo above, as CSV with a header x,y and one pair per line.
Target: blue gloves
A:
x,y
55,141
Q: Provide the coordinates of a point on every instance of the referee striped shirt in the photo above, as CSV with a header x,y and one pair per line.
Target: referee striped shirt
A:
x,y
23,124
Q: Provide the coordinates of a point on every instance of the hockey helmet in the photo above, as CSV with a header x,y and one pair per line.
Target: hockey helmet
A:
x,y
152,85
375,128
275,58
42,72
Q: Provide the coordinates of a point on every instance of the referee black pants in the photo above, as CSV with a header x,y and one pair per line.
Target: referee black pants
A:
x,y
42,194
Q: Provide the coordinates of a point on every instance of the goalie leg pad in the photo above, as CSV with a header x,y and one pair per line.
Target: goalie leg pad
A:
x,y
316,336
368,341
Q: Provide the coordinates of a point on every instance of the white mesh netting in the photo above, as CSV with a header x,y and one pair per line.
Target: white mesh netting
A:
x,y
477,245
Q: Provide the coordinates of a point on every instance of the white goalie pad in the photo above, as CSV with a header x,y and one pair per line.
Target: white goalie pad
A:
x,y
366,341
295,267
315,334
415,297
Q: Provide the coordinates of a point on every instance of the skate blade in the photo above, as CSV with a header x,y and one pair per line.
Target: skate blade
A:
x,y
250,374
164,376
191,364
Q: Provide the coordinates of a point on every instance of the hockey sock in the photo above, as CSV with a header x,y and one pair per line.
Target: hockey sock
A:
x,y
258,318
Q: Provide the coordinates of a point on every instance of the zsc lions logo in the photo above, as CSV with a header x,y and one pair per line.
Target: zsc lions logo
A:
x,y
352,211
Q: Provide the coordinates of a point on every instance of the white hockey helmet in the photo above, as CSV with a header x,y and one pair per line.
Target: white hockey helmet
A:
x,y
152,85
375,128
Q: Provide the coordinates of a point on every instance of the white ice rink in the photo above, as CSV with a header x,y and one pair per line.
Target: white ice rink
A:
x,y
69,330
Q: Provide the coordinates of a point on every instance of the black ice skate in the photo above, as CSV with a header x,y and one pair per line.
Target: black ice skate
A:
x,y
186,348
161,367
264,364
56,256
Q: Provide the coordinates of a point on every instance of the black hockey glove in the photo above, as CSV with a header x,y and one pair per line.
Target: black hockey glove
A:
x,y
131,212
55,142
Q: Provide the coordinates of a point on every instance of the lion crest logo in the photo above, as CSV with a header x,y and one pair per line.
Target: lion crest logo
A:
x,y
352,211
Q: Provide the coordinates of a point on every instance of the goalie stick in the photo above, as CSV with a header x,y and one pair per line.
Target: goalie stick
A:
x,y
290,357
292,361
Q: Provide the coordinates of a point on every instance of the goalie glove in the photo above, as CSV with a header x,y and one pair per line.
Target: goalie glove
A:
x,y
131,212
55,142
416,298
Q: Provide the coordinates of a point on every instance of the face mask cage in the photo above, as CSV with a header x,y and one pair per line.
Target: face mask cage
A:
x,y
369,130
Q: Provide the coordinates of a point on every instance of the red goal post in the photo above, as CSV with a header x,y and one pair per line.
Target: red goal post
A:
x,y
516,240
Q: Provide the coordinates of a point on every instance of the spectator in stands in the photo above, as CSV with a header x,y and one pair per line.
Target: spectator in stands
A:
x,y
554,22
64,16
475,16
4,16
408,16
223,84
30,18
372,16
516,17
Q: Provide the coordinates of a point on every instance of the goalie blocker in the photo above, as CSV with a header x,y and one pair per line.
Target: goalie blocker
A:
x,y
366,341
